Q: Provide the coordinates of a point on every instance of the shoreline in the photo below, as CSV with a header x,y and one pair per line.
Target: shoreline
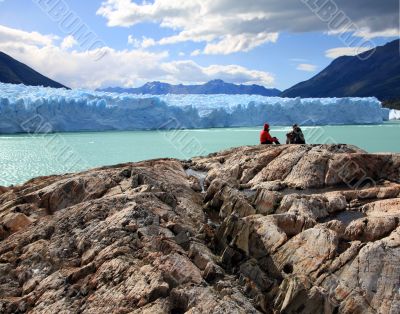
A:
x,y
394,121
25,156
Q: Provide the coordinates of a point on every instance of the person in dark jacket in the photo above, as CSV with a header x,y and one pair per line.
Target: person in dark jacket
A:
x,y
296,136
266,138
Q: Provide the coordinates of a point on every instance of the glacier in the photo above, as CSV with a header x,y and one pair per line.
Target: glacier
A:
x,y
27,109
394,114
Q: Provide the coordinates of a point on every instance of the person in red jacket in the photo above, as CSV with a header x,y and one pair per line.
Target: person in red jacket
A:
x,y
266,138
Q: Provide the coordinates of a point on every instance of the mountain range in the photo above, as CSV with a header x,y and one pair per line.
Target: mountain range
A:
x,y
372,73
15,72
211,87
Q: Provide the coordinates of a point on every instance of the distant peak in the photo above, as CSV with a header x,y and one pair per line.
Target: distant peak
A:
x,y
216,81
216,86
153,83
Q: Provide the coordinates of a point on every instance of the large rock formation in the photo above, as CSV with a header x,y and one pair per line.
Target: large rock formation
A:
x,y
270,229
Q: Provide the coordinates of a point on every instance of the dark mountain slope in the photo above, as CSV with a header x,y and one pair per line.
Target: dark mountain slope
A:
x,y
356,76
15,72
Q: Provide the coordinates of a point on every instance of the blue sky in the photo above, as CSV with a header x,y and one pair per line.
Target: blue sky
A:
x,y
275,43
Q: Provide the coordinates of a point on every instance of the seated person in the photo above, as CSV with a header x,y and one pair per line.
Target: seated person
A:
x,y
296,136
266,138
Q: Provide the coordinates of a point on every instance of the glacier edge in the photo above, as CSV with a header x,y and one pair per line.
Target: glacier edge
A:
x,y
38,109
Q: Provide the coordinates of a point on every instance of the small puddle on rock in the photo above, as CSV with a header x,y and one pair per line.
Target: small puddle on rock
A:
x,y
346,217
200,175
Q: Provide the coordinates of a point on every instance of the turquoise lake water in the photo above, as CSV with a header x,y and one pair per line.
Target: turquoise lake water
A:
x,y
25,156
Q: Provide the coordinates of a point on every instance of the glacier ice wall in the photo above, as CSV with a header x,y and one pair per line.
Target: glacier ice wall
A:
x,y
394,114
39,109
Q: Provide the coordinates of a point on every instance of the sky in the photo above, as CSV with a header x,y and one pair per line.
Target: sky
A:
x,y
274,43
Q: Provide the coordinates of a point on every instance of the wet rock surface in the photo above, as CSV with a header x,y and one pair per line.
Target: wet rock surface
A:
x,y
261,229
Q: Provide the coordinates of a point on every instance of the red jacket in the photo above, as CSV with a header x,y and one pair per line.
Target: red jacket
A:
x,y
265,136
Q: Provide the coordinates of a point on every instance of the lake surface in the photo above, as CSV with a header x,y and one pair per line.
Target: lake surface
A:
x,y
23,157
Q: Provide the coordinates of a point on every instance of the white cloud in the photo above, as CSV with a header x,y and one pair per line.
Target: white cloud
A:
x,y
345,51
144,43
242,42
68,42
367,34
195,21
181,54
148,42
306,67
190,72
11,35
228,26
79,69
196,52
134,41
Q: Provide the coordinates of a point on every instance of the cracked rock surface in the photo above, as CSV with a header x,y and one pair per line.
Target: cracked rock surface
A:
x,y
257,229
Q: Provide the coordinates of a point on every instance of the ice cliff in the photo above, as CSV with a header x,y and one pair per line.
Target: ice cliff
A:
x,y
394,114
29,109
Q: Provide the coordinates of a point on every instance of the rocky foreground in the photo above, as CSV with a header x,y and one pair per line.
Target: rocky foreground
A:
x,y
279,229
